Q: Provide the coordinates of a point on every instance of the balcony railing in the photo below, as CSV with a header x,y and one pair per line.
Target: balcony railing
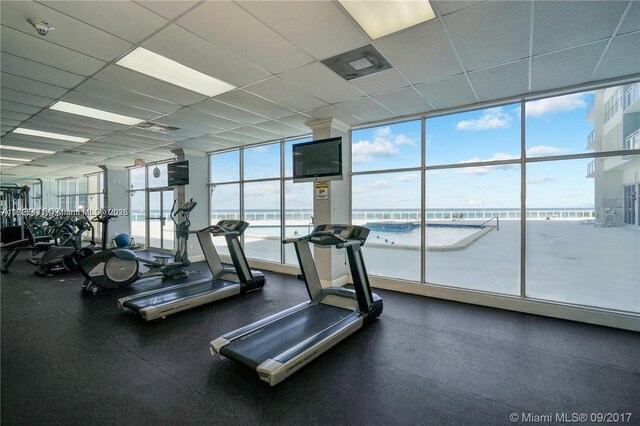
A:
x,y
591,169
591,140
632,95
632,141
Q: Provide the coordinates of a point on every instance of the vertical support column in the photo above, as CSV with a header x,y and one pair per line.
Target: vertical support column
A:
x,y
116,197
199,191
331,263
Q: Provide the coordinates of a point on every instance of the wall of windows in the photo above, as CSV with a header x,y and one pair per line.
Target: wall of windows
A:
x,y
85,193
255,184
531,199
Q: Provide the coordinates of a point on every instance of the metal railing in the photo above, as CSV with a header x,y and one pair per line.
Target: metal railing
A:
x,y
591,139
632,141
487,221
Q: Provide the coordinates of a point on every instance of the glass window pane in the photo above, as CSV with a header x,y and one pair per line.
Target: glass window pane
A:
x,y
225,167
161,180
489,134
82,185
262,162
288,155
92,184
262,211
590,260
101,182
566,124
298,199
389,205
392,146
137,213
225,204
465,247
137,178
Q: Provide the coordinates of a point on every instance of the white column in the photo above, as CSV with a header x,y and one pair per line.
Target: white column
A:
x,y
116,197
332,263
199,191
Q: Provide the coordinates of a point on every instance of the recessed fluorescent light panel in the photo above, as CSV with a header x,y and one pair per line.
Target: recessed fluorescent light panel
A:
x,y
49,135
7,165
3,158
94,113
381,18
19,148
154,65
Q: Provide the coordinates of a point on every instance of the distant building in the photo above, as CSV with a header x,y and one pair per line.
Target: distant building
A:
x,y
615,113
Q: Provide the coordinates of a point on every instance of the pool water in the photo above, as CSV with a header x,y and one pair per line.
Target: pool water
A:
x,y
437,236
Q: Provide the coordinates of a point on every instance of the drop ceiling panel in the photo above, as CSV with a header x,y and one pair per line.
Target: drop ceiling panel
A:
x,y
421,53
237,137
21,44
448,93
285,94
30,86
47,123
16,13
13,116
109,105
565,68
562,24
404,101
320,81
6,105
281,129
380,82
622,57
136,133
447,7
500,33
25,98
297,120
260,134
9,122
501,82
211,106
333,112
29,69
125,19
231,28
364,108
252,103
631,22
168,9
109,91
149,86
214,122
201,145
14,139
195,127
319,28
188,49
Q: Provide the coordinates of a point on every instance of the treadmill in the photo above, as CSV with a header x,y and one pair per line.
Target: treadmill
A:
x,y
225,281
281,344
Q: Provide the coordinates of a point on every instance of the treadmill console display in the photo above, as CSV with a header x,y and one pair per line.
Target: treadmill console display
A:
x,y
348,232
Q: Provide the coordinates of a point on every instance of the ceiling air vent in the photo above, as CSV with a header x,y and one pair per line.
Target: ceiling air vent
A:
x,y
155,127
33,165
359,62
75,152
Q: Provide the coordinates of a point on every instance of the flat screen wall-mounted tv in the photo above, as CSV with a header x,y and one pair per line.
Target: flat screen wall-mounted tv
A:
x,y
178,173
318,160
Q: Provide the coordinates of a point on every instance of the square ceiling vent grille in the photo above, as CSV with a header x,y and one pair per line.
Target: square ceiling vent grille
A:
x,y
356,63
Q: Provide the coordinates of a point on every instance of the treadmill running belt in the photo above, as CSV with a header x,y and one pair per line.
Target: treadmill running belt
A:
x,y
276,338
173,294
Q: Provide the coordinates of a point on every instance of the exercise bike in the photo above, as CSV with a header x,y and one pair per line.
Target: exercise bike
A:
x,y
118,267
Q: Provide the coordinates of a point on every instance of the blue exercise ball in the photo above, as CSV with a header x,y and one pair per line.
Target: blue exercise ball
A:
x,y
122,240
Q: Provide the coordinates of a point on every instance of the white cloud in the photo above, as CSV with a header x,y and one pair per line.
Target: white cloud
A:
x,y
403,140
408,177
473,202
541,180
499,156
383,144
543,151
553,105
492,118
370,187
434,172
262,189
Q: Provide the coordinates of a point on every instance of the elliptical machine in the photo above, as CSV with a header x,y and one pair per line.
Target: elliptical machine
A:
x,y
64,258
119,267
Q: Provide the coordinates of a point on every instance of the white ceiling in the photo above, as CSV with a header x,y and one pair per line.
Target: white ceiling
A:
x,y
475,51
